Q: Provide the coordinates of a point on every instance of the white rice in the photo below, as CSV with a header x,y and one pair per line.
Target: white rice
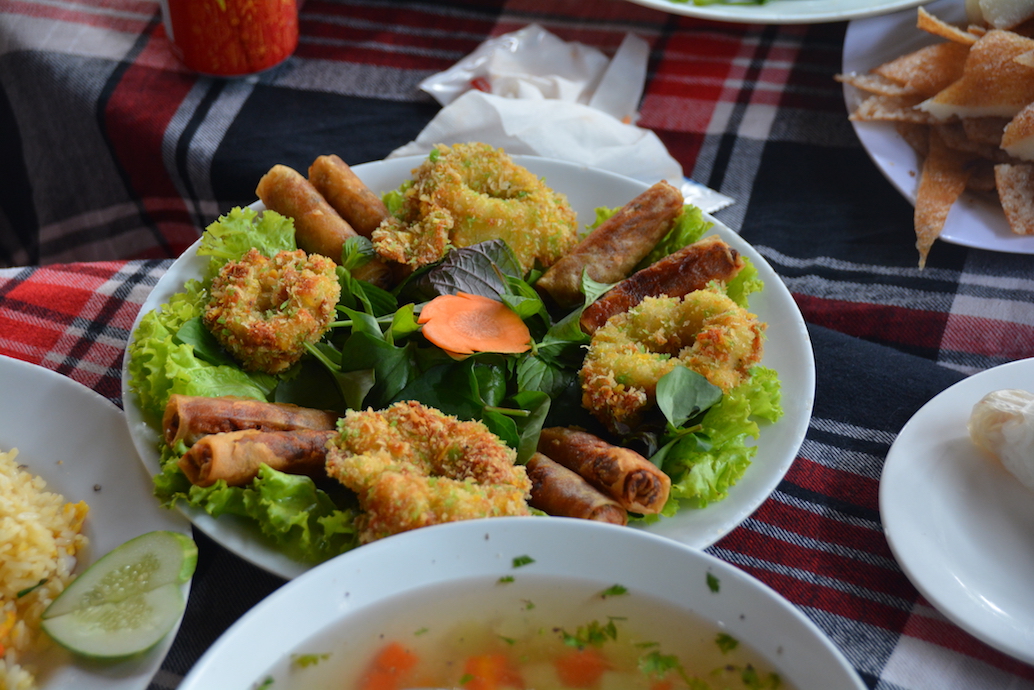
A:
x,y
39,537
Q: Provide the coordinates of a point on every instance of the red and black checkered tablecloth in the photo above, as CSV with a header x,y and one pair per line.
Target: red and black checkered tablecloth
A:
x,y
113,157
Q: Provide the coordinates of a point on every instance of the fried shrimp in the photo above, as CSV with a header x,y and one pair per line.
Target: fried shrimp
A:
x,y
469,193
414,466
705,331
264,311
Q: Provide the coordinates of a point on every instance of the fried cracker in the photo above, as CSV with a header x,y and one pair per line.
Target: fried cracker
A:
x,y
985,130
890,109
992,83
1018,137
943,178
928,70
875,84
1016,192
938,27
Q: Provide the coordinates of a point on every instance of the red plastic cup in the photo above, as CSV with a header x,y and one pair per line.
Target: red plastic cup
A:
x,y
230,38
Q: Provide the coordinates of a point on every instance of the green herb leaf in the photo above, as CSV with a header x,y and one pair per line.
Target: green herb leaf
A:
x,y
713,583
307,660
614,591
726,642
521,561
683,394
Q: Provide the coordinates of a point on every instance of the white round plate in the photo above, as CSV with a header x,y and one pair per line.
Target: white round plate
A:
x,y
787,350
782,11
480,552
76,440
973,221
958,523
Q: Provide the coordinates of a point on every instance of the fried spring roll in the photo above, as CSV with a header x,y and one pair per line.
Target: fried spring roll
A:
x,y
624,475
614,248
318,227
350,197
556,490
237,456
188,418
690,268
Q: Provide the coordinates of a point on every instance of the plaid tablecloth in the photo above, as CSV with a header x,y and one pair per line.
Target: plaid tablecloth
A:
x,y
113,157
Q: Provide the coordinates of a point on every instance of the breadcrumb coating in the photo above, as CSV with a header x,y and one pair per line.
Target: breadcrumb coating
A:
x,y
264,311
413,466
705,331
470,193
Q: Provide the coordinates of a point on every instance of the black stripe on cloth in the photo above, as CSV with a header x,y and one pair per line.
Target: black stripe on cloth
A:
x,y
727,143
19,241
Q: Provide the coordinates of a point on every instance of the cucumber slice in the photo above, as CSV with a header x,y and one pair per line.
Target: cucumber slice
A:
x,y
127,601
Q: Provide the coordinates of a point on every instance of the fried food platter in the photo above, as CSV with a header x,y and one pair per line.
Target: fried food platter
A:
x,y
974,221
788,351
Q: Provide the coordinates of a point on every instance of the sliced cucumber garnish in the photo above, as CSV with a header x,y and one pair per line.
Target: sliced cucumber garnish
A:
x,y
127,601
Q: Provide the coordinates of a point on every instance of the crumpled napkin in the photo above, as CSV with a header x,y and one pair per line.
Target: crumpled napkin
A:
x,y
532,93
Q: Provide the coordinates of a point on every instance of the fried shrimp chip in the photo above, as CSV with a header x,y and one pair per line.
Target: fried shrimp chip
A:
x,y
413,466
705,331
264,311
469,193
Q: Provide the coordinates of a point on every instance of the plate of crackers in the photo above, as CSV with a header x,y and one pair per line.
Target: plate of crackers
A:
x,y
942,99
778,11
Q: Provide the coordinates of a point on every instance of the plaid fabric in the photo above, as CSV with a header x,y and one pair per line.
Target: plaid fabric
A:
x,y
114,157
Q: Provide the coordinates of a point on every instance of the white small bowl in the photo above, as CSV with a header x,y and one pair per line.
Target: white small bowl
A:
x,y
304,614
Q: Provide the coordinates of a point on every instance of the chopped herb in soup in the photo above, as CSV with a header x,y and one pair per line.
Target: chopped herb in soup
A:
x,y
531,633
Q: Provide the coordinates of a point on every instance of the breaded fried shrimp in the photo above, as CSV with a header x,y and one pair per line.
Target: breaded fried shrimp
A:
x,y
264,311
414,466
705,331
470,193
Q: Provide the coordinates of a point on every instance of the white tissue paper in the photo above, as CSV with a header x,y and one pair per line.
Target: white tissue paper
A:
x,y
531,93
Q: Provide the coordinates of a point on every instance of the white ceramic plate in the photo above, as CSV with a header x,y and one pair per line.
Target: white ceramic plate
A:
x,y
787,350
479,552
958,523
783,11
77,441
973,221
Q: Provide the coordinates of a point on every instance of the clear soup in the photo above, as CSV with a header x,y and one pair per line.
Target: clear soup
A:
x,y
524,633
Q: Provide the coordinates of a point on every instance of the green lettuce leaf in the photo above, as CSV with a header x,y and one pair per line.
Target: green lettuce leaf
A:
x,y
702,473
233,234
290,510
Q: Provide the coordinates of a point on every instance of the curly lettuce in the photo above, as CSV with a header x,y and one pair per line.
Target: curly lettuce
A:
x,y
165,358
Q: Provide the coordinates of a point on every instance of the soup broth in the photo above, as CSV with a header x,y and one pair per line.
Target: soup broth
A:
x,y
525,632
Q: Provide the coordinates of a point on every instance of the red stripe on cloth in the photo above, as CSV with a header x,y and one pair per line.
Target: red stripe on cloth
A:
x,y
988,337
882,323
140,116
837,602
946,634
44,316
88,14
845,486
797,548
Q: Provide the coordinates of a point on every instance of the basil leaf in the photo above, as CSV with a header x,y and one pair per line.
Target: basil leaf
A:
x,y
683,394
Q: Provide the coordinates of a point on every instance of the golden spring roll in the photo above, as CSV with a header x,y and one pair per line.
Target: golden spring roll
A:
x,y
350,197
319,229
691,268
188,418
556,490
236,456
614,248
624,475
